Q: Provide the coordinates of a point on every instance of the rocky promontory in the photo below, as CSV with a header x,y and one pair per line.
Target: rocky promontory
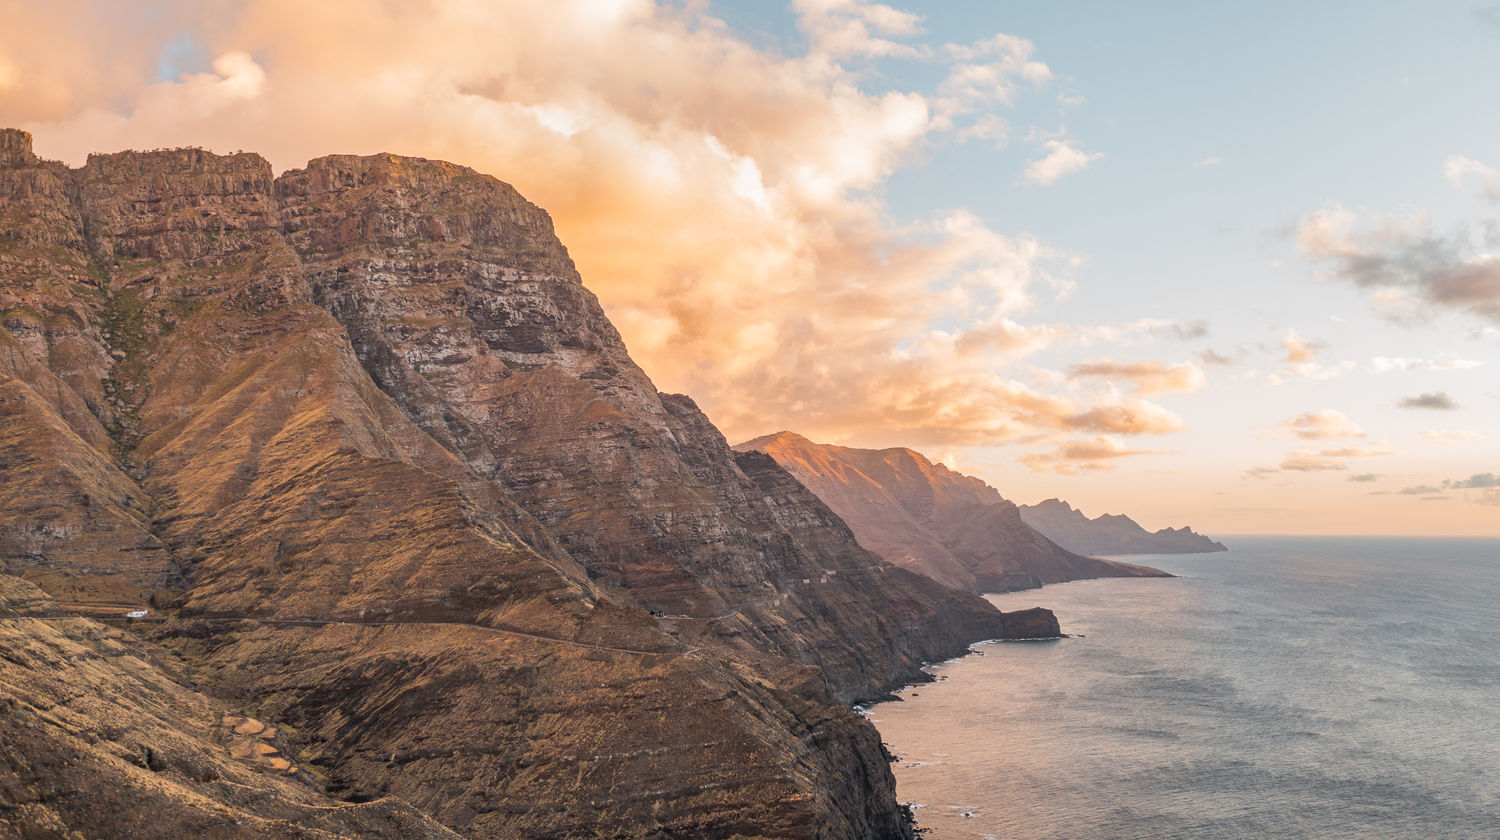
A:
x,y
1111,533
385,480
922,516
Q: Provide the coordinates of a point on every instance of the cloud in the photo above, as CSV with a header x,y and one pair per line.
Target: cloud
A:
x,y
988,127
1397,257
840,28
1460,171
1148,377
1364,477
1321,373
1474,481
1479,481
989,71
1387,364
1062,158
1211,357
1127,417
1322,425
1316,460
1489,497
1075,456
1149,329
724,200
1208,161
1445,437
1298,351
1437,400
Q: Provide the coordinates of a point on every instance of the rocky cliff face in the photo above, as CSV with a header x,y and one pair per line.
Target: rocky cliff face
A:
x,y
364,440
927,518
1111,533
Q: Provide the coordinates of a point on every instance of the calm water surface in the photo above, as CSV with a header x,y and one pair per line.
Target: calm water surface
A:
x,y
1290,688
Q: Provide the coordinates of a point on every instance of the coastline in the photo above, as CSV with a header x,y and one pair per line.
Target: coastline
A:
x,y
1313,688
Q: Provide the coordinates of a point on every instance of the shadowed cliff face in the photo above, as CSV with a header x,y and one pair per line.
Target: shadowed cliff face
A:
x,y
924,517
363,437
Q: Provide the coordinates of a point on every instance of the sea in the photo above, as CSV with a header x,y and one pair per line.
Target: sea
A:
x,y
1292,687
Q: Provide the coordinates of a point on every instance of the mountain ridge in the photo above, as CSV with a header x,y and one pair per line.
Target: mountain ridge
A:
x,y
925,517
1111,533
338,427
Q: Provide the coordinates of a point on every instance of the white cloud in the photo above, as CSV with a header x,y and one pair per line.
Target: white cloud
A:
x,y
1062,158
989,127
988,71
1388,364
840,28
1322,373
1460,170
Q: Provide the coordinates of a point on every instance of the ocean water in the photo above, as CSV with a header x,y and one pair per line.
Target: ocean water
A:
x,y
1290,688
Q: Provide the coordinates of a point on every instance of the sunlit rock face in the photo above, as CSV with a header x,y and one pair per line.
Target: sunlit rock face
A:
x,y
361,435
927,518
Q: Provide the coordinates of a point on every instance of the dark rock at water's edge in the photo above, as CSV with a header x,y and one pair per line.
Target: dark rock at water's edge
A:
x,y
1111,533
922,516
389,484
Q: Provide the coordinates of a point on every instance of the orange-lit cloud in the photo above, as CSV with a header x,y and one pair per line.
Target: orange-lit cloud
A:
x,y
1084,455
1148,377
1315,460
722,199
1443,436
1298,350
1322,425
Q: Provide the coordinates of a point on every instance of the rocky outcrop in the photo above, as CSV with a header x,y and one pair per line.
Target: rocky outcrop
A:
x,y
362,437
929,519
1111,533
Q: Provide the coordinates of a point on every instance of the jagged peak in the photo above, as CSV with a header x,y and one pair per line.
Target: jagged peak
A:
x,y
1053,502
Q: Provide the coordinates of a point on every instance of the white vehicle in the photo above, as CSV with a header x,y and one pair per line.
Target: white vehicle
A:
x,y
137,613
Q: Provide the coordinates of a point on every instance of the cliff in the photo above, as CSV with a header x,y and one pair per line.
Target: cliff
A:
x,y
927,518
362,439
1111,533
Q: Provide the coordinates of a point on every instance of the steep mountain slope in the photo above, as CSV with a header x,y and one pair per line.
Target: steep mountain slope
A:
x,y
1111,533
104,738
364,439
927,518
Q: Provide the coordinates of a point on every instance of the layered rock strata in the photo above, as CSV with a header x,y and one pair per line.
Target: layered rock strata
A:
x,y
927,518
364,440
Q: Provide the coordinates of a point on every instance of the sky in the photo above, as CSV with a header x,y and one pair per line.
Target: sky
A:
x,y
1222,264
